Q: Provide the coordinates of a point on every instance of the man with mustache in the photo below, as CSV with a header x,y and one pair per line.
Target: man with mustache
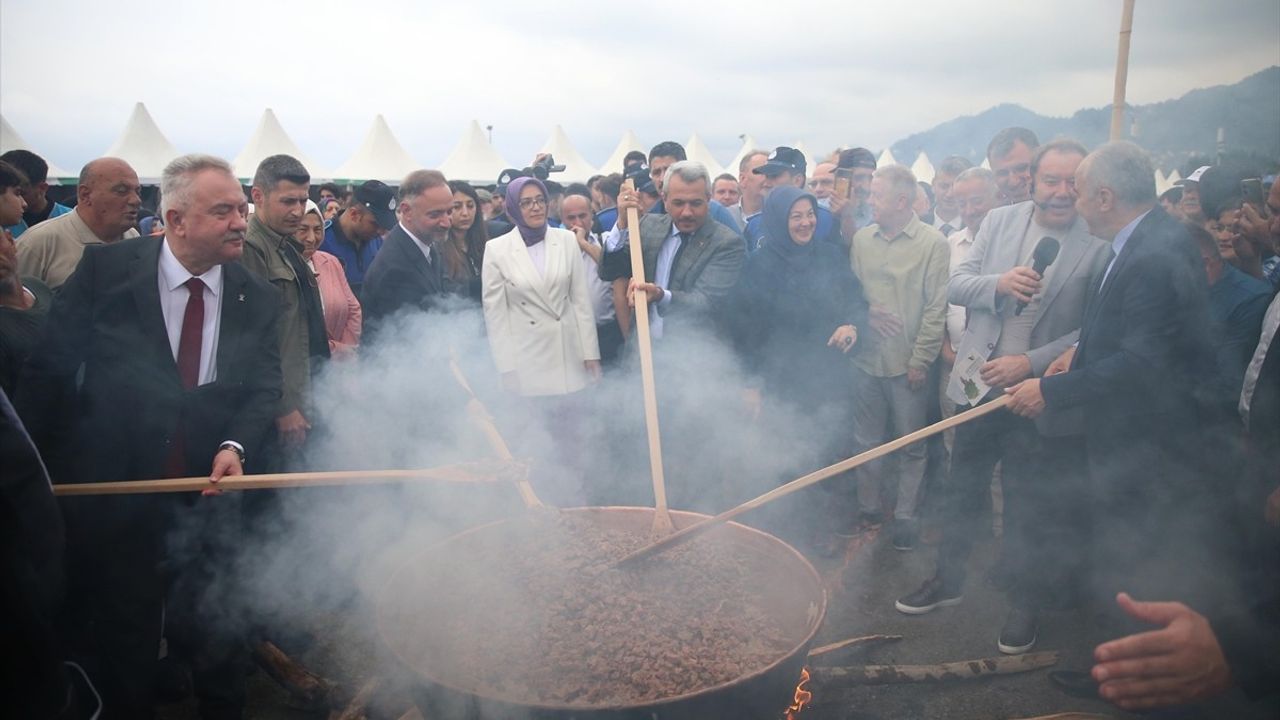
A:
x,y
177,349
107,200
1001,346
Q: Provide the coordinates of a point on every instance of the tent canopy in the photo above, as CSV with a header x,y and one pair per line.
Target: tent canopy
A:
x,y
473,159
748,144
379,157
697,150
628,143
576,167
11,140
922,168
143,146
886,158
268,139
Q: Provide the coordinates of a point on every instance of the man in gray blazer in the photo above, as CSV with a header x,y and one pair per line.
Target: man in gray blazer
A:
x,y
1019,322
690,262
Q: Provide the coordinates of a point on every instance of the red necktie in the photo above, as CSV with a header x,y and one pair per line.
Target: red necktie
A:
x,y
188,369
192,333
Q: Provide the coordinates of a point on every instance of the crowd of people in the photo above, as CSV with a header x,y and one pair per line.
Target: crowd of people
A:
x,y
1133,338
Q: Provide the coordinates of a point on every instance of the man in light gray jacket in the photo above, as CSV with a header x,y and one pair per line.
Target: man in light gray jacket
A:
x,y
1019,321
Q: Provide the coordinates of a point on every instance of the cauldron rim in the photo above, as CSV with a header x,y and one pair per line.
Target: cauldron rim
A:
x,y
817,614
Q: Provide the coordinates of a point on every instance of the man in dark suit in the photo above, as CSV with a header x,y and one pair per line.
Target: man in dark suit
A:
x,y
1141,374
180,357
690,263
408,271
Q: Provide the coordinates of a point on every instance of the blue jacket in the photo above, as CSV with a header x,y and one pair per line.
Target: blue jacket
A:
x,y
22,226
355,261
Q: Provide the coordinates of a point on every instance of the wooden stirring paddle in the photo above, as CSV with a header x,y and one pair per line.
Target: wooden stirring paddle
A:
x,y
662,526
692,531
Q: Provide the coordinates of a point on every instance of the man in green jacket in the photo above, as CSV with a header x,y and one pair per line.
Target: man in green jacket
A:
x,y
280,187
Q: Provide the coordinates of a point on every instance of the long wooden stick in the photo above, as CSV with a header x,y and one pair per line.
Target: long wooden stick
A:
x,y
813,478
481,417
852,642
661,519
961,670
1122,71
460,473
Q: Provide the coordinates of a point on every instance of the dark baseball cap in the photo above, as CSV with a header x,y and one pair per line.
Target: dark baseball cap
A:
x,y
381,201
782,159
639,176
858,157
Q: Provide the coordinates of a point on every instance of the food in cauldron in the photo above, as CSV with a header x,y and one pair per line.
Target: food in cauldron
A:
x,y
532,613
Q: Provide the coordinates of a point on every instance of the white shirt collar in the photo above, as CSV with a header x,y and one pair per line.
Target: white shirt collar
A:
x,y
174,275
424,247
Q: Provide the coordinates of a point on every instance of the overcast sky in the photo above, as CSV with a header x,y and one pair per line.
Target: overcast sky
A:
x,y
826,73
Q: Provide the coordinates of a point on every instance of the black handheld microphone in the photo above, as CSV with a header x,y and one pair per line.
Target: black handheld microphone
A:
x,y
1046,252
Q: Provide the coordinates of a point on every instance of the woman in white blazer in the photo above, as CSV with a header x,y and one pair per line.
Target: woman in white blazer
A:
x,y
536,305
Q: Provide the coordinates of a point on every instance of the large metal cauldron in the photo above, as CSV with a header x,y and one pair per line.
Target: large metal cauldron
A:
x,y
790,587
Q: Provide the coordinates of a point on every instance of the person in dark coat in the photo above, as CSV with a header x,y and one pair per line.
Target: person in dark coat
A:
x,y
409,272
797,311
178,348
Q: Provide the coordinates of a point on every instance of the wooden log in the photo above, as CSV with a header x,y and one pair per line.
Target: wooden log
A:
x,y
1069,716
308,689
853,642
941,672
355,710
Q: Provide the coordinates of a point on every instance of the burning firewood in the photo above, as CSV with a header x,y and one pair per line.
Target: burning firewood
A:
x,y
853,642
962,670
308,689
355,710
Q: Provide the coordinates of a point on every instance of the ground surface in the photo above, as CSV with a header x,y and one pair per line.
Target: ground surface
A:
x,y
861,589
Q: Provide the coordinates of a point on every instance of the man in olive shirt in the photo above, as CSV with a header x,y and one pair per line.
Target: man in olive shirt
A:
x,y
902,264
280,188
107,202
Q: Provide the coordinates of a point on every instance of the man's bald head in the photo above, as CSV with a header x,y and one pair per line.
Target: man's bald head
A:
x,y
109,196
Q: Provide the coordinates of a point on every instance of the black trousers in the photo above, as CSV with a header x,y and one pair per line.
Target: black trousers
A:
x,y
1045,505
132,560
610,338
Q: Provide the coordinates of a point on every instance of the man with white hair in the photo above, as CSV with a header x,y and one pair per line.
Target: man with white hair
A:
x,y
902,264
177,347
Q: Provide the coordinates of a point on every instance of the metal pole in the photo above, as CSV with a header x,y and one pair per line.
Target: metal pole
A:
x,y
1122,71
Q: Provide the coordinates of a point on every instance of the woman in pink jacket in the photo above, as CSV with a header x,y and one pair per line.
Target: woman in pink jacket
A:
x,y
342,315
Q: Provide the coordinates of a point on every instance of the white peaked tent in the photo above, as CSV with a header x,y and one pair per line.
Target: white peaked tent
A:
x,y
143,146
748,144
473,159
1162,183
922,168
11,140
886,158
628,143
576,167
1174,177
268,139
697,150
379,157
986,163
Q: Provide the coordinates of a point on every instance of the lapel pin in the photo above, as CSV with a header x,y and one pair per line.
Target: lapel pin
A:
x,y
241,298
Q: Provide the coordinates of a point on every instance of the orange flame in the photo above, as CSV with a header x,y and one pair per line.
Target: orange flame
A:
x,y
802,698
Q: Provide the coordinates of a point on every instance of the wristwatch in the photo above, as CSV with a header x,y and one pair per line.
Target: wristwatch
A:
x,y
233,447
